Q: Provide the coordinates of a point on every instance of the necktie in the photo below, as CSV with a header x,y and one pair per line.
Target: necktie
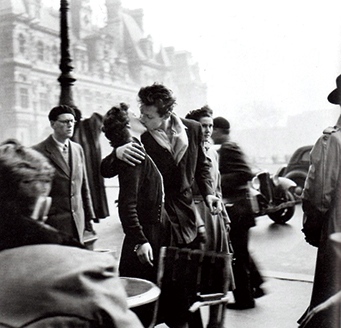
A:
x,y
65,153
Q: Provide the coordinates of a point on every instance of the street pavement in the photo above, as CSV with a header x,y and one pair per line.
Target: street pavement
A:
x,y
287,294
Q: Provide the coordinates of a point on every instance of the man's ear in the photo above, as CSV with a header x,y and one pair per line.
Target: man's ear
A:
x,y
52,123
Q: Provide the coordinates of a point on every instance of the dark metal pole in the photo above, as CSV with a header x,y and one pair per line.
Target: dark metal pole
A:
x,y
65,79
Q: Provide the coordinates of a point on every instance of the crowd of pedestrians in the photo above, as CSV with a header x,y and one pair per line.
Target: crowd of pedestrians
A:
x,y
175,189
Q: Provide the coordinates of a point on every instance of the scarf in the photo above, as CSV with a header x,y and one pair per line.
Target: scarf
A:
x,y
179,144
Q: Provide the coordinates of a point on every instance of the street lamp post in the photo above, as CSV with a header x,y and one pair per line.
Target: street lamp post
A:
x,y
65,79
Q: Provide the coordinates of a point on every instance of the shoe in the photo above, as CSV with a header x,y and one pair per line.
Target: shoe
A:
x,y
258,292
240,306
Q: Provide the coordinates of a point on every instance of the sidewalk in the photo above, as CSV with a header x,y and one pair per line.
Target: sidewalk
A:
x,y
287,295
284,302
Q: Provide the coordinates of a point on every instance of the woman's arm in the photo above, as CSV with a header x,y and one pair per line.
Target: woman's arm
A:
x,y
130,179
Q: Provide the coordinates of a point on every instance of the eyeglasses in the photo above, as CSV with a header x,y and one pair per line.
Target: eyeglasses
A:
x,y
67,122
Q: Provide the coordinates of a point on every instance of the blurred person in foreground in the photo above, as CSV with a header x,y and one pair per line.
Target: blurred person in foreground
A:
x,y
235,173
25,183
217,226
322,208
71,209
47,278
175,146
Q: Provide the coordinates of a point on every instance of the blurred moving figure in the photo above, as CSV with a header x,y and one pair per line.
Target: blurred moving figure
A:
x,y
44,283
235,173
322,207
71,209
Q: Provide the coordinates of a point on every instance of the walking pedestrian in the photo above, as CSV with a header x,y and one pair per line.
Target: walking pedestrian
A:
x,y
322,207
235,173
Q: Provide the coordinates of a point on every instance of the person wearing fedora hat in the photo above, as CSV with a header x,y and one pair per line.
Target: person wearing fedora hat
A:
x,y
335,96
321,203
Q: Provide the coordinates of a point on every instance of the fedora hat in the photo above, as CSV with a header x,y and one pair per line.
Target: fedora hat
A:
x,y
335,96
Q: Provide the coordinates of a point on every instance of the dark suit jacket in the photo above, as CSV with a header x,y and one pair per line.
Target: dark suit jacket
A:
x,y
178,179
234,169
71,200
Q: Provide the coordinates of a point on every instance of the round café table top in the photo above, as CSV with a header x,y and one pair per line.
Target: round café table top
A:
x,y
140,291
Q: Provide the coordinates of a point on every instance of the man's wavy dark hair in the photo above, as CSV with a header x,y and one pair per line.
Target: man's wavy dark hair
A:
x,y
159,96
115,125
197,114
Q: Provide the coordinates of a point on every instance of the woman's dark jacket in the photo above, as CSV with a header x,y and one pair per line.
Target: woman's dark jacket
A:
x,y
141,213
140,197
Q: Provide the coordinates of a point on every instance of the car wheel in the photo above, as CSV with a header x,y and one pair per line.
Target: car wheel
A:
x,y
285,214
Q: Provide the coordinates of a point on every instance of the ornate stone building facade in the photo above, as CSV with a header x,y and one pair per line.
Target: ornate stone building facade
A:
x,y
110,64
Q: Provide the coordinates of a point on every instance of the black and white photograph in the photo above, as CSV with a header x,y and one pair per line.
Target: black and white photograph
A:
x,y
170,164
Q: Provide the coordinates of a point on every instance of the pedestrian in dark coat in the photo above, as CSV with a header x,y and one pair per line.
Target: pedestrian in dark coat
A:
x,y
235,173
322,202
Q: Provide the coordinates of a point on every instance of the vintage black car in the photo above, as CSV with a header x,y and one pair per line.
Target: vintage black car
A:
x,y
298,165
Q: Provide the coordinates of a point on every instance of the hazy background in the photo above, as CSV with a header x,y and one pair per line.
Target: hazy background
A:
x,y
269,65
274,57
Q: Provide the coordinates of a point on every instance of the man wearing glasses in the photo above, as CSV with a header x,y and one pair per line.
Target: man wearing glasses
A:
x,y
71,209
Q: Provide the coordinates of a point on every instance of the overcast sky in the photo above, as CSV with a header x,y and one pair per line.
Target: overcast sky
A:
x,y
265,55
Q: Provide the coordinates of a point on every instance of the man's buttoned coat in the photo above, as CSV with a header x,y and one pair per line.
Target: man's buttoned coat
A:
x,y
71,199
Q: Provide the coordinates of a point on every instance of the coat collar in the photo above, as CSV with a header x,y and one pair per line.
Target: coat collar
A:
x,y
55,156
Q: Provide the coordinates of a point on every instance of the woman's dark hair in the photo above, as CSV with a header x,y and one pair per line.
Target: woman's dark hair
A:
x,y
115,125
197,114
159,96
